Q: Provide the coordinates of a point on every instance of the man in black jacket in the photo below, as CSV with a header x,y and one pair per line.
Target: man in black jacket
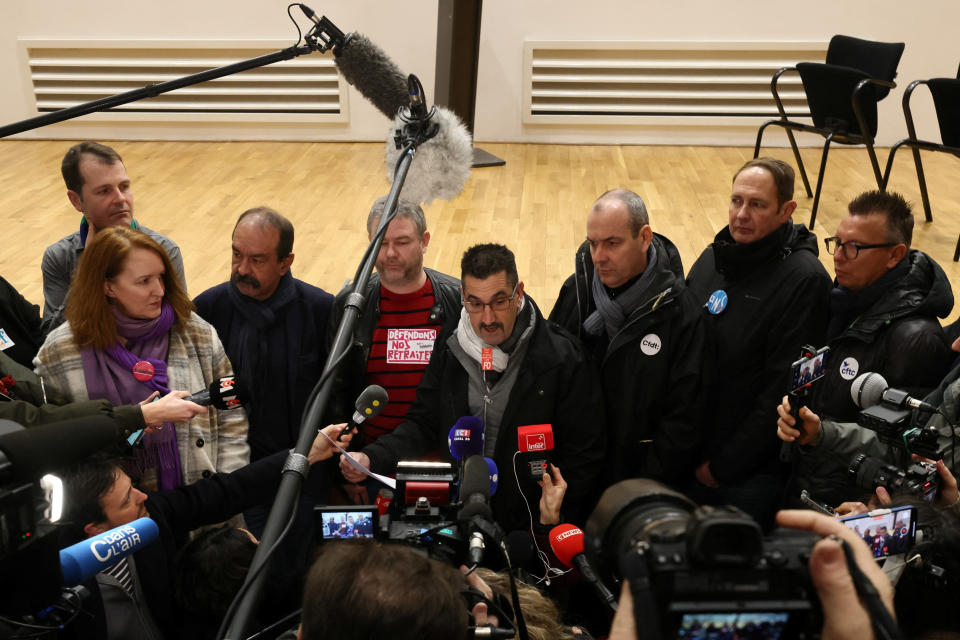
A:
x,y
134,597
629,306
765,295
505,363
883,318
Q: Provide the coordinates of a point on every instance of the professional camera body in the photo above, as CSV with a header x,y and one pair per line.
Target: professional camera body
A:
x,y
893,427
917,479
691,567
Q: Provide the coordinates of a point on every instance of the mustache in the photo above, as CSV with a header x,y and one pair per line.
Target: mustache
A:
x,y
492,325
236,278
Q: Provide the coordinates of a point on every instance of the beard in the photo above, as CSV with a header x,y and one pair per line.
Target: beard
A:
x,y
397,275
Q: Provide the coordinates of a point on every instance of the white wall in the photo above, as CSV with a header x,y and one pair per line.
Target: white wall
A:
x,y
928,27
407,32
386,23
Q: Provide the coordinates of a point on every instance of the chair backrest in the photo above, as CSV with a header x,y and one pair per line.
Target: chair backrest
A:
x,y
946,100
829,90
877,59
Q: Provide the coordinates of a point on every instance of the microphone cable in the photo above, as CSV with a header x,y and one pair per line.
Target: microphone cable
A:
x,y
548,569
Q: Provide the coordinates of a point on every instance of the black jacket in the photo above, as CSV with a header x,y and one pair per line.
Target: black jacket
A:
x,y
778,296
899,337
20,320
556,384
652,395
351,377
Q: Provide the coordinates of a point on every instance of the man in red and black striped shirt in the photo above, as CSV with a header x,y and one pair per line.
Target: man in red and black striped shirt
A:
x,y
407,305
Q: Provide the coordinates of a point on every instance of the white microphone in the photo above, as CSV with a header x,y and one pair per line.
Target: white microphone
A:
x,y
871,388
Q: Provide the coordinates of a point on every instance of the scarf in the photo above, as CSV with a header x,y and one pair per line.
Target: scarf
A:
x,y
611,313
109,375
473,346
847,305
734,259
249,346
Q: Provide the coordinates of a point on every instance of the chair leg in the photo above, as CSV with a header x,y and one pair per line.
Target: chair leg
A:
x,y
874,163
889,168
923,190
796,154
823,168
956,252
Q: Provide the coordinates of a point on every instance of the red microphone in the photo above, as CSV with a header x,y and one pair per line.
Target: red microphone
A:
x,y
535,441
383,501
566,541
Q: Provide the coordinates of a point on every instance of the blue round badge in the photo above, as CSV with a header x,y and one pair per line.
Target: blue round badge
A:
x,y
717,302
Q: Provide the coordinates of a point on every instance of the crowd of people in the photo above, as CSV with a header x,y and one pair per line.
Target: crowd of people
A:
x,y
641,368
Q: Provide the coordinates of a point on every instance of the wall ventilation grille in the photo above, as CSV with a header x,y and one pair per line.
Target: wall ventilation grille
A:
x,y
620,82
64,74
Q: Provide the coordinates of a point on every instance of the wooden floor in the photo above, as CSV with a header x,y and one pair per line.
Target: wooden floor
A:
x,y
536,204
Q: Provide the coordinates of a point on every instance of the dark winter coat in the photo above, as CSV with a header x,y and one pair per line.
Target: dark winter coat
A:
x,y
651,371
777,302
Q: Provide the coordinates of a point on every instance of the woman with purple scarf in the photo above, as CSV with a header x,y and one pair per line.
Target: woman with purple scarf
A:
x,y
130,334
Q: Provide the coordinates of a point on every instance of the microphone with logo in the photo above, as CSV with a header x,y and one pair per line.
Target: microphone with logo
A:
x,y
566,541
535,442
223,393
369,403
85,559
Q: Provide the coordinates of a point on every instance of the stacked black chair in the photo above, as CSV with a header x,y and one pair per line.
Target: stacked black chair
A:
x,y
946,100
842,94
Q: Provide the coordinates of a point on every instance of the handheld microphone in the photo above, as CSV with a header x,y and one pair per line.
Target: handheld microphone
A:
x,y
535,441
85,559
475,496
494,473
466,438
870,389
369,403
223,393
566,541
384,500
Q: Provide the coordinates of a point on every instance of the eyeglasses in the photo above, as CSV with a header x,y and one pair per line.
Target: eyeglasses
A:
x,y
497,304
850,248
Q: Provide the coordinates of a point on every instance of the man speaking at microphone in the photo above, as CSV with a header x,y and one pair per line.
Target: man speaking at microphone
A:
x,y
133,598
508,365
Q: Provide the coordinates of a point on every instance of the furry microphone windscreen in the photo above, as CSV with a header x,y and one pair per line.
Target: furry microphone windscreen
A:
x,y
441,166
365,66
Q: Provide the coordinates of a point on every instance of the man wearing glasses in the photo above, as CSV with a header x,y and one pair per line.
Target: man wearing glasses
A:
x,y
635,317
508,365
883,318
764,295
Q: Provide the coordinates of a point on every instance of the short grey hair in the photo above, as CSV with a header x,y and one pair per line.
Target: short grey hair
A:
x,y
635,207
405,209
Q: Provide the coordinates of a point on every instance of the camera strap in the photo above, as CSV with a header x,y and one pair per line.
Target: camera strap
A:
x,y
646,616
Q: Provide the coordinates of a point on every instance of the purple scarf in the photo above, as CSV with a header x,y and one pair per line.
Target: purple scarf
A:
x,y
109,375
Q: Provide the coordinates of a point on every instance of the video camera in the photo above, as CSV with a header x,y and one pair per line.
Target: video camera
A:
x,y
693,567
918,479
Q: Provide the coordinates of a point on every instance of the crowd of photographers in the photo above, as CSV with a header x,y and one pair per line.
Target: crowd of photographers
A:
x,y
713,383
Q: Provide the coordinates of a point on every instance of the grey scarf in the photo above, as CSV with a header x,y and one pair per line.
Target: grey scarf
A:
x,y
611,313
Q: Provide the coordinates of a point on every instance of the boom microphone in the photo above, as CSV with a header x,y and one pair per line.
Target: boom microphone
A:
x,y
871,388
371,71
566,541
370,403
85,559
475,495
223,393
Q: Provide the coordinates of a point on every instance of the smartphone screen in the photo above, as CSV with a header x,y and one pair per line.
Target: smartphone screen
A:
x,y
886,531
807,370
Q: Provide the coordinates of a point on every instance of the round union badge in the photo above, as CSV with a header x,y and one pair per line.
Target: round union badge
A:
x,y
717,302
143,371
650,344
849,368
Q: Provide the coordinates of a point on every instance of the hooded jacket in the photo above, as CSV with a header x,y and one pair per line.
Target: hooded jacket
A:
x,y
777,301
898,337
650,370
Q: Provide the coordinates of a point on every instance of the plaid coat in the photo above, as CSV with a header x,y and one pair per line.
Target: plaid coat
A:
x,y
215,442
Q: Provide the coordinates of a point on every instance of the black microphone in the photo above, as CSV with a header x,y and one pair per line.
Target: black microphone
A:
x,y
871,388
475,496
223,393
369,404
